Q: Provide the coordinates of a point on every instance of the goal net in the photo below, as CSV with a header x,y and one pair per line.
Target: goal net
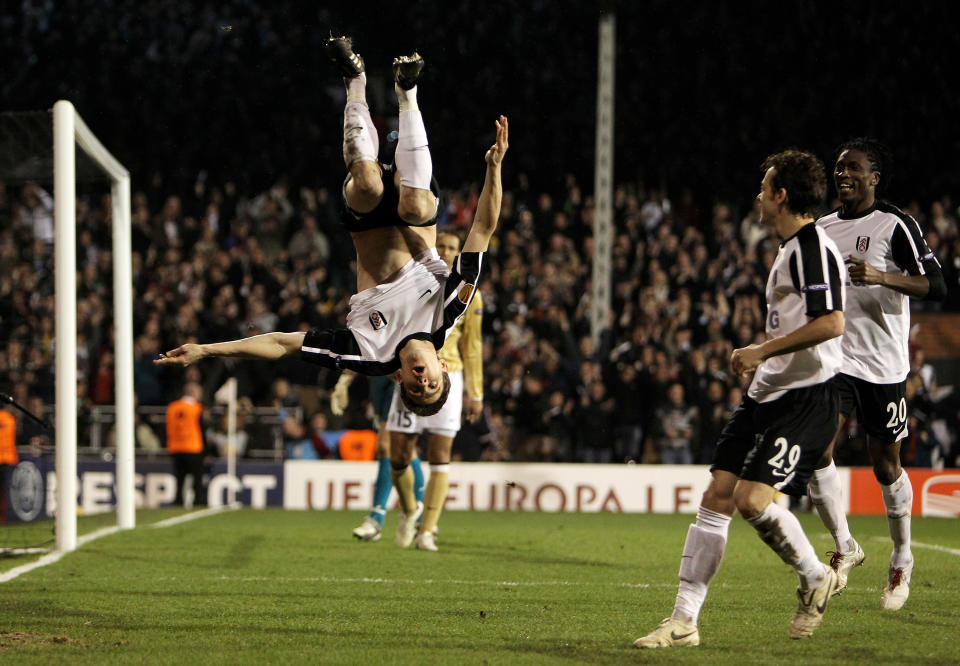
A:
x,y
33,147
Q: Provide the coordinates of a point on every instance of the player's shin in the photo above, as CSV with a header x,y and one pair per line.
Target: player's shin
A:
x,y
826,493
898,500
360,140
436,496
403,481
414,163
381,490
702,555
780,529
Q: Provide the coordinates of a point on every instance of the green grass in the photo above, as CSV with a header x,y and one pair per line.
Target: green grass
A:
x,y
283,587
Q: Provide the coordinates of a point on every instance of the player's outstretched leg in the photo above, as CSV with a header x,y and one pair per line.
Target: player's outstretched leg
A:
x,y
418,204
361,144
826,493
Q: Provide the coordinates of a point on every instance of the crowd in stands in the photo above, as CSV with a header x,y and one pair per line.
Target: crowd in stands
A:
x,y
214,264
208,103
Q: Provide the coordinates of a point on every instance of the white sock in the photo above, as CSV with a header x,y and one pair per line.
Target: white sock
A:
x,y
360,140
702,554
780,529
826,493
407,99
357,88
898,499
413,151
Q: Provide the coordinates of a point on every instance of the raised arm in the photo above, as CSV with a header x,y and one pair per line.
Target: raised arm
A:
x,y
269,346
488,207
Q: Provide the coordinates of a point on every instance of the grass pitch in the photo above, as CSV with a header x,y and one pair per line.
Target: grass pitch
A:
x,y
287,587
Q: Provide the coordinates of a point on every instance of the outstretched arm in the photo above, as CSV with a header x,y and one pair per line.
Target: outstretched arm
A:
x,y
488,207
269,346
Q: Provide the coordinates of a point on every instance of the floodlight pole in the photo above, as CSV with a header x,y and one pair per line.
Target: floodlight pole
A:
x,y
603,177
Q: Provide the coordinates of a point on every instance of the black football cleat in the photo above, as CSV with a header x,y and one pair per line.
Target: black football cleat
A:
x,y
340,52
406,70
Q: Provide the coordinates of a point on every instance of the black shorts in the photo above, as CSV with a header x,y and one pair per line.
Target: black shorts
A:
x,y
793,431
881,408
385,214
736,439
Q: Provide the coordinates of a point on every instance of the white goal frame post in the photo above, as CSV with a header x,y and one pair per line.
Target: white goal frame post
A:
x,y
69,132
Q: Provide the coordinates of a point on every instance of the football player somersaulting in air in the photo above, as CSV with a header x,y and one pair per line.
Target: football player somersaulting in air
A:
x,y
888,262
789,415
407,297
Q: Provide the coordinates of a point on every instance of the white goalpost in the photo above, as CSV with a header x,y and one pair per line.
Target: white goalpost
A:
x,y
69,132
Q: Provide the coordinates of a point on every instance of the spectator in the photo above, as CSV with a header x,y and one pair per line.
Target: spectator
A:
x,y
677,426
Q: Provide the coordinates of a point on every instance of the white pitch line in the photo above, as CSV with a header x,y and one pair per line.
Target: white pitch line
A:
x,y
928,546
193,515
51,558
430,581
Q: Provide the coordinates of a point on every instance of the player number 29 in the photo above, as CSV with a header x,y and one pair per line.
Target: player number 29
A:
x,y
787,453
898,414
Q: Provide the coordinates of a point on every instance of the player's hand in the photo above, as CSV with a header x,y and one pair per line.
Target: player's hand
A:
x,y
745,359
340,397
495,155
183,355
473,410
862,273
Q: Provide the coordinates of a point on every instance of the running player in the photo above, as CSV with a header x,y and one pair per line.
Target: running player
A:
x,y
408,298
463,354
788,416
888,262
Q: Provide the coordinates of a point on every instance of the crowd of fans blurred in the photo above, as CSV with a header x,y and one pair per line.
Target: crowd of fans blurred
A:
x,y
214,264
175,86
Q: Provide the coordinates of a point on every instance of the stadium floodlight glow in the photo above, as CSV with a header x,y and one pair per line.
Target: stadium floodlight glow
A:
x,y
69,132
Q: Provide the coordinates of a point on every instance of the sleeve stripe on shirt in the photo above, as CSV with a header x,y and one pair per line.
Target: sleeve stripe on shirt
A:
x,y
813,279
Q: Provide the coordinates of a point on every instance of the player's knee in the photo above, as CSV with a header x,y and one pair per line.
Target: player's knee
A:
x,y
749,504
416,206
718,499
886,472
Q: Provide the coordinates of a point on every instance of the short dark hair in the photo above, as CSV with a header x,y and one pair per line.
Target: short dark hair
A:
x,y
879,156
802,175
426,409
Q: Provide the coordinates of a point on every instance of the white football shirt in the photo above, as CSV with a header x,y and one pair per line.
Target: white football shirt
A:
x,y
875,343
804,283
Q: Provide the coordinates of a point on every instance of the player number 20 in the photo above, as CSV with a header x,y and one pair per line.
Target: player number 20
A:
x,y
898,414
787,454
